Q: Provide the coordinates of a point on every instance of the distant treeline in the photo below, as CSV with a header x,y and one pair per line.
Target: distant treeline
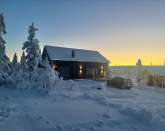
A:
x,y
156,81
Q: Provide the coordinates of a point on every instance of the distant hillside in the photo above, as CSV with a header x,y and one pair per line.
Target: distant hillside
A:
x,y
157,70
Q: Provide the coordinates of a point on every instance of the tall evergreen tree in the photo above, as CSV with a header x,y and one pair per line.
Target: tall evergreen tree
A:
x,y
139,73
139,62
4,60
15,59
32,48
23,59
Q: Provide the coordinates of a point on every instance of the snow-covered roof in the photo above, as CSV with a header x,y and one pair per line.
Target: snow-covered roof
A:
x,y
65,54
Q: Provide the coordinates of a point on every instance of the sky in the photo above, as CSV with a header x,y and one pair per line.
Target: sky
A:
x,y
122,30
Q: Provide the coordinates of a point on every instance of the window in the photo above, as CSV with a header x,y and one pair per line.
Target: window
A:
x,y
81,67
102,70
54,66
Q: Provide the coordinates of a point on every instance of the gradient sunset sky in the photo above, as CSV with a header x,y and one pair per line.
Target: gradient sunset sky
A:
x,y
122,30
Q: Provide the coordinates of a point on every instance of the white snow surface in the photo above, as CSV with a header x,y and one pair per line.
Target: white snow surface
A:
x,y
82,106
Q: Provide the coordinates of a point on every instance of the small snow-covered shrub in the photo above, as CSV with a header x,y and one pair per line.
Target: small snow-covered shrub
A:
x,y
121,83
5,78
20,79
46,77
156,81
40,78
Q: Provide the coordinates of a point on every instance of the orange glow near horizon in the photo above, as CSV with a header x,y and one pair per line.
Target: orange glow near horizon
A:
x,y
121,58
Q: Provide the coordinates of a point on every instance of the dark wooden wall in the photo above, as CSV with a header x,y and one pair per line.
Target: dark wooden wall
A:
x,y
80,70
72,70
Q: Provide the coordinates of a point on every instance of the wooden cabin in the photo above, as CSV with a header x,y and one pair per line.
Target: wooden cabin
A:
x,y
77,63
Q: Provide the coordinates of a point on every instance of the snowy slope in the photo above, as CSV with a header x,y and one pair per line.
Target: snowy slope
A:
x,y
82,108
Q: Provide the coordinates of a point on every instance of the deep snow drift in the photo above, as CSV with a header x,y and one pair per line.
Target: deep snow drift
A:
x,y
82,106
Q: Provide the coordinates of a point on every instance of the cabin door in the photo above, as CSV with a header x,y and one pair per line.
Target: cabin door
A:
x,y
90,73
65,72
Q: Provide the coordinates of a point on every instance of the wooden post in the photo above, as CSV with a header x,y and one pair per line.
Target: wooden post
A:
x,y
162,83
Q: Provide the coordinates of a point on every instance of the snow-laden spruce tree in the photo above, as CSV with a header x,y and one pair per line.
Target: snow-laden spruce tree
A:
x,y
15,73
14,64
23,61
4,60
15,60
31,46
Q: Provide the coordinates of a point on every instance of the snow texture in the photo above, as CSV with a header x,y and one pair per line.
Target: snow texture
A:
x,y
82,107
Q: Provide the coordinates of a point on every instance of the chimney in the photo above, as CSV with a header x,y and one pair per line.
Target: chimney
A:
x,y
73,53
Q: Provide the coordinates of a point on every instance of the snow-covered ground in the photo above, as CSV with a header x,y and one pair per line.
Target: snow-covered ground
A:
x,y
82,107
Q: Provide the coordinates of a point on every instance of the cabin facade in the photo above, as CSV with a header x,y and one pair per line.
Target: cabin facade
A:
x,y
77,63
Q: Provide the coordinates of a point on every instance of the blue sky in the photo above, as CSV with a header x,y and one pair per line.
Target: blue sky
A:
x,y
122,30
